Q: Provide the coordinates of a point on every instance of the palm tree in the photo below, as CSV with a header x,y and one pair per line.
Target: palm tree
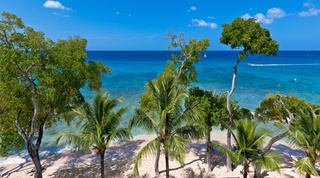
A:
x,y
249,142
168,119
305,133
99,126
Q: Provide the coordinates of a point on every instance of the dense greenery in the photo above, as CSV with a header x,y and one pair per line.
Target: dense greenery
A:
x,y
250,38
40,80
249,141
214,112
161,106
305,133
99,125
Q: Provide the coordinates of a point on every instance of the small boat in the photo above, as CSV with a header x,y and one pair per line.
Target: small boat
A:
x,y
205,55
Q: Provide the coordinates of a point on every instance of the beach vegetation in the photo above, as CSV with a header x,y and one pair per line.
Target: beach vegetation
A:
x,y
161,106
214,112
40,81
99,126
249,141
305,134
250,38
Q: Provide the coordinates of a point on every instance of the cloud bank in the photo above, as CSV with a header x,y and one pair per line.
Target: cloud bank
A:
x,y
312,11
272,14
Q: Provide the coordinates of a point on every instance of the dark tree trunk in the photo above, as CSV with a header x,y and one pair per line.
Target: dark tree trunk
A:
x,y
102,164
34,154
167,164
308,175
156,166
209,150
245,170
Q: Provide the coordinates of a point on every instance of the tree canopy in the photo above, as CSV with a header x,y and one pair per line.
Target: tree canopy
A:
x,y
40,80
249,37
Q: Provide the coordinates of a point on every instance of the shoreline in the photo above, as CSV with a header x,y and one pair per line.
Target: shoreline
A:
x,y
119,160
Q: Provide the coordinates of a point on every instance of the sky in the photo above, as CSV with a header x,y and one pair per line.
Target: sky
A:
x,y
143,24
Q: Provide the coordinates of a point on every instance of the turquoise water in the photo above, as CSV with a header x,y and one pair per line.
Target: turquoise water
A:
x,y
290,72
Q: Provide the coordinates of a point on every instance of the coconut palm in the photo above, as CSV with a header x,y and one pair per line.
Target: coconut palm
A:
x,y
99,126
249,141
305,133
167,118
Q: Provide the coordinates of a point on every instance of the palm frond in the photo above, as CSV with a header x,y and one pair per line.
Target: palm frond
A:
x,y
271,161
176,146
142,120
120,134
305,165
150,148
234,156
75,140
196,131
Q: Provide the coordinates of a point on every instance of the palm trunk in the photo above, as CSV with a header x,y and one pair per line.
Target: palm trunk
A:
x,y
245,169
230,112
209,148
308,175
102,164
167,164
34,154
156,166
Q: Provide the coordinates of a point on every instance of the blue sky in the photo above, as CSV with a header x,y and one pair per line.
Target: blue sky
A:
x,y
142,24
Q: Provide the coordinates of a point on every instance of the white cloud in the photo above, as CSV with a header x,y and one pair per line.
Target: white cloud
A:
x,y
246,16
54,5
192,8
202,23
211,17
273,13
118,13
311,12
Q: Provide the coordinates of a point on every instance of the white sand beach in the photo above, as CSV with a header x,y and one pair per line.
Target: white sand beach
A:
x,y
120,159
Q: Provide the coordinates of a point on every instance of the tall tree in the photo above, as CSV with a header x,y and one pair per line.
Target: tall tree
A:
x,y
160,106
99,125
305,133
249,143
250,38
41,80
171,123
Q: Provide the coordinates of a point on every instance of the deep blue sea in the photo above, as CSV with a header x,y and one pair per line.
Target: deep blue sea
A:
x,y
289,72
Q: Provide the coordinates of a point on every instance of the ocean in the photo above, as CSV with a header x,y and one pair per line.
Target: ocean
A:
x,y
289,72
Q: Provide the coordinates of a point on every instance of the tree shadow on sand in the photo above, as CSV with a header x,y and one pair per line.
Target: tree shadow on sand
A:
x,y
199,149
118,160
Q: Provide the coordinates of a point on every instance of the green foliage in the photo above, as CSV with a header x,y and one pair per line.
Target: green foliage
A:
x,y
171,123
270,109
54,71
249,143
99,125
190,54
305,133
248,36
213,107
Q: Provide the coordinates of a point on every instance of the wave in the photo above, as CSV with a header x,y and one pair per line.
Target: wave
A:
x,y
273,65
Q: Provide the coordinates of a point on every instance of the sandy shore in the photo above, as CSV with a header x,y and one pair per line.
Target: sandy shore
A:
x,y
120,158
